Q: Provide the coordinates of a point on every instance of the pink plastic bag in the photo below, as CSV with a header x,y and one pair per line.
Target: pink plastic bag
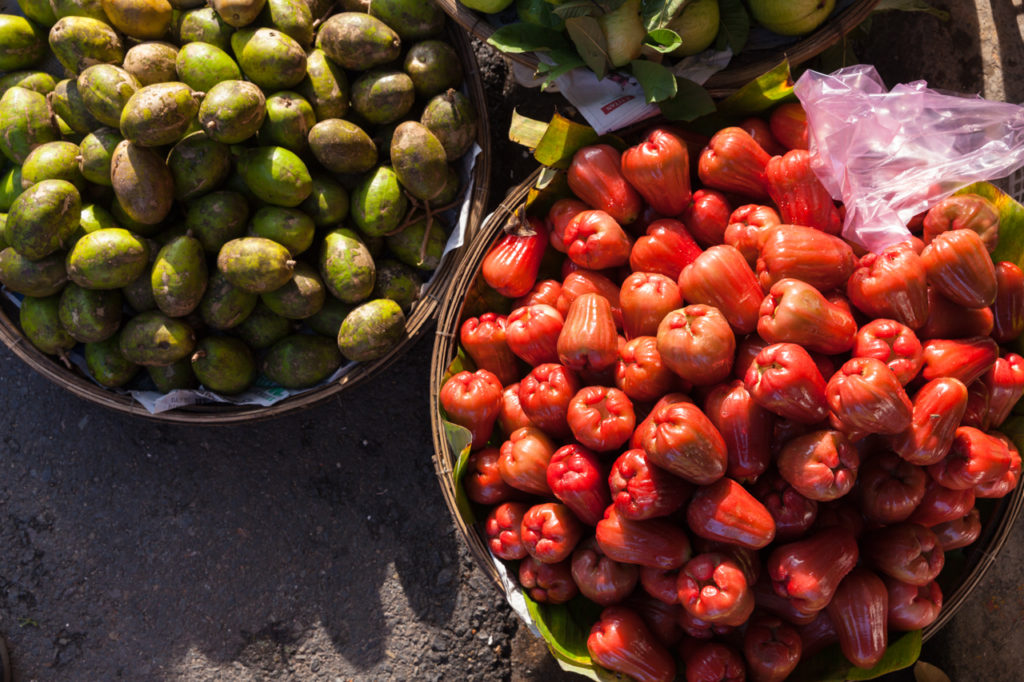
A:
x,y
889,155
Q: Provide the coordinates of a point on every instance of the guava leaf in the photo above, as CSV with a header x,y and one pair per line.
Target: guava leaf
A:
x,y
911,6
520,37
564,61
690,102
561,140
657,13
663,40
579,8
733,25
658,82
587,36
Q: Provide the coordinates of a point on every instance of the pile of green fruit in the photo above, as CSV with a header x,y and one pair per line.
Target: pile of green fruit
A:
x,y
217,191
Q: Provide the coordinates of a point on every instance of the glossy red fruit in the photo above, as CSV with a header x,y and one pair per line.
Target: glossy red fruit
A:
x,y
641,490
821,465
713,662
822,260
892,284
726,512
948,320
503,528
547,583
941,504
1004,381
576,477
745,426
582,282
960,268
531,333
483,338
795,312
560,215
912,607
720,277
659,169
666,248
595,241
472,400
599,578
660,584
657,543
512,264
784,380
697,343
734,162
550,532
645,298
965,211
707,216
482,478
865,395
714,588
545,291
808,571
959,532
817,634
788,123
620,641
684,442
963,359
859,610
974,458
792,512
747,349
799,194
661,618
767,600
771,647
759,129
640,373
890,488
544,394
893,343
588,339
524,458
511,416
1003,485
648,425
977,406
938,408
906,551
595,176
747,228
1008,308
601,418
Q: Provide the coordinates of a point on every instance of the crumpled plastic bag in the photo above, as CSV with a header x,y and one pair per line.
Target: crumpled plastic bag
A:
x,y
889,155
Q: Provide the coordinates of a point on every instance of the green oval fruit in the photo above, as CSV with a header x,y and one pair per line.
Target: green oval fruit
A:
x,y
139,293
198,165
263,327
52,161
347,266
142,182
358,41
10,188
177,376
419,160
22,43
159,114
89,315
38,81
39,278
93,218
255,264
342,147
204,25
179,276
452,185
66,101
327,321
224,364
289,227
81,42
152,338
411,19
224,305
289,120
378,202
294,18
107,364
217,218
397,281
152,62
97,150
41,325
301,297
232,111
301,360
202,65
407,245
238,13
107,259
140,19
434,67
105,90
276,175
26,122
328,203
39,11
382,97
453,120
325,86
79,8
43,218
269,58
372,330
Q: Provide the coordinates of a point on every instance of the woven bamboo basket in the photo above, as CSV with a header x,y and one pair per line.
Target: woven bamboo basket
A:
x,y
418,322
998,516
744,67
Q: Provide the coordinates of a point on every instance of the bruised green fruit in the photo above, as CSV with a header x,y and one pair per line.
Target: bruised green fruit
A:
x,y
328,319
140,19
301,360
43,277
97,150
43,218
93,218
224,305
378,202
10,188
39,11
159,114
325,86
263,327
275,175
453,120
52,161
204,25
79,8
342,147
224,364
89,314
452,185
107,364
372,330
301,297
417,247
139,293
397,281
105,90
107,259
66,101
131,224
382,97
26,122
328,203
40,322
238,13
358,41
419,160
289,227
179,276
347,266
269,58
203,65
434,67
22,43
411,19
255,264
39,81
232,111
142,182
81,42
288,122
152,62
217,218
198,165
177,376
152,338
294,18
